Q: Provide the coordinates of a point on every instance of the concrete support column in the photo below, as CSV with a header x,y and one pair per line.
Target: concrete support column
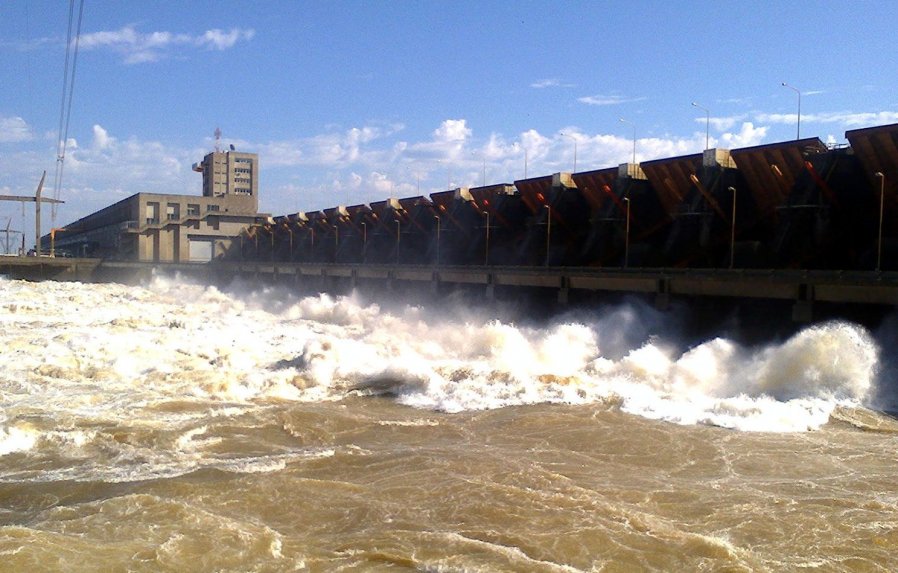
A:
x,y
564,291
435,283
662,295
803,309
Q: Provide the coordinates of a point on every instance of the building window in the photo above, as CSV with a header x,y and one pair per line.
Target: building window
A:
x,y
152,213
212,208
193,210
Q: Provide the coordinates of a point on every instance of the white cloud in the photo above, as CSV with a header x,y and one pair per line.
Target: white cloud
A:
x,y
748,136
220,40
720,123
355,146
452,130
608,100
138,47
847,119
550,83
101,138
14,130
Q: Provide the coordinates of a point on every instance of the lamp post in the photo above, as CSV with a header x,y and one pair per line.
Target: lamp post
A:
x,y
882,194
733,228
622,120
707,121
627,235
398,226
548,231
336,241
364,240
486,250
798,123
574,139
437,217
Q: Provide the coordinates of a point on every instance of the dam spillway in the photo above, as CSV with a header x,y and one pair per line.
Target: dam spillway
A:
x,y
796,220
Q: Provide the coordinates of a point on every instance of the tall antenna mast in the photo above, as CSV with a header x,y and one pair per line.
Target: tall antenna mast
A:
x,y
217,140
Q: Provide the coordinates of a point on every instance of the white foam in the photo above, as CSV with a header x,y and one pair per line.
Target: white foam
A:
x,y
113,353
17,439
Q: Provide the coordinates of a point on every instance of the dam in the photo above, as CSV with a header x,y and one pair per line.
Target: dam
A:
x,y
797,221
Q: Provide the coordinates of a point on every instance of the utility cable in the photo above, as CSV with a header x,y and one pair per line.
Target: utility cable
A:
x,y
68,91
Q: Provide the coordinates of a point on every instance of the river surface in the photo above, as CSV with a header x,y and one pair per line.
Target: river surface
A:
x,y
179,427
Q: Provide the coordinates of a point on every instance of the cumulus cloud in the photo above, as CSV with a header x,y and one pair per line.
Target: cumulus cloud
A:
x,y
353,146
748,136
14,130
137,47
452,130
101,138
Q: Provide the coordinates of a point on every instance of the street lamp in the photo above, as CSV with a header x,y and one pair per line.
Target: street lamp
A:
x,y
627,235
398,225
882,194
486,250
798,124
707,121
438,238
548,231
733,228
622,120
574,139
336,241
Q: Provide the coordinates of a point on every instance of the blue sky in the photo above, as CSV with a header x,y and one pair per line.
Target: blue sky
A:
x,y
350,102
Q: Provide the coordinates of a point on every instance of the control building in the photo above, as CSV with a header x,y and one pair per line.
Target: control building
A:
x,y
171,228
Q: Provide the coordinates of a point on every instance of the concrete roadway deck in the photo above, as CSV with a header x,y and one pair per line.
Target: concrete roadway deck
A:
x,y
801,286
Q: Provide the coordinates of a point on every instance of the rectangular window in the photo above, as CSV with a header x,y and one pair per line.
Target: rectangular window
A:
x,y
212,208
152,213
193,210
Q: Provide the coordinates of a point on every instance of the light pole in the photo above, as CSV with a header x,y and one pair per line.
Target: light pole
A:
x,y
486,250
882,194
627,235
622,120
798,123
707,121
437,217
364,240
398,225
574,139
733,228
336,241
548,231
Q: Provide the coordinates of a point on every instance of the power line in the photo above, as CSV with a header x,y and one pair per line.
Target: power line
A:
x,y
65,107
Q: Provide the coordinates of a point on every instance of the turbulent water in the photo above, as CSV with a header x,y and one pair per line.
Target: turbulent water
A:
x,y
178,427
